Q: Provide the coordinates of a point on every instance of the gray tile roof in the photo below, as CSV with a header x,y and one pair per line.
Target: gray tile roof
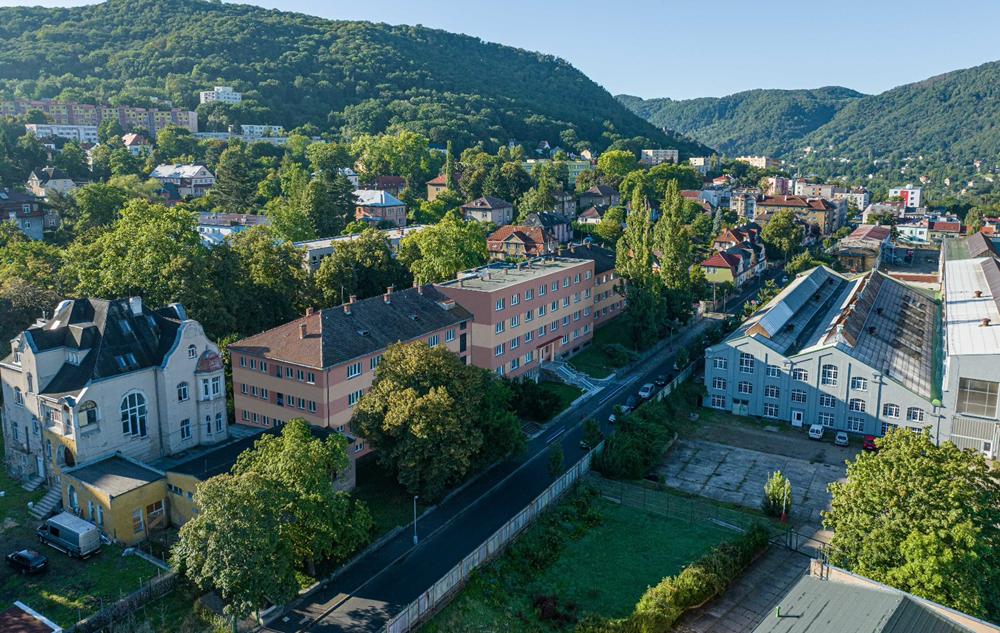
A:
x,y
603,258
114,475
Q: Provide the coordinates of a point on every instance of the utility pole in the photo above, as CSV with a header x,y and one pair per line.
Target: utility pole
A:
x,y
415,520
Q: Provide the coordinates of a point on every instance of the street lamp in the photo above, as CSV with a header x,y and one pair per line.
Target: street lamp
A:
x,y
415,519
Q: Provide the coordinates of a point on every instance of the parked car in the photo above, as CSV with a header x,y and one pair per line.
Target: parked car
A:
x,y
647,391
28,561
841,439
661,380
70,534
868,443
816,432
630,404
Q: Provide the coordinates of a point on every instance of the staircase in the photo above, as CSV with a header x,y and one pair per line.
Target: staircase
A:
x,y
570,376
32,484
47,503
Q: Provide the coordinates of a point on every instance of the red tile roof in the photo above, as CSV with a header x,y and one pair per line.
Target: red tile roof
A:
x,y
722,260
534,238
872,231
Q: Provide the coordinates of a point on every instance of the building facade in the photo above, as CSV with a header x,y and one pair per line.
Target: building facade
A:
x,y
760,162
223,94
72,114
43,182
910,195
23,210
80,133
102,377
378,206
653,157
514,241
190,180
489,209
315,250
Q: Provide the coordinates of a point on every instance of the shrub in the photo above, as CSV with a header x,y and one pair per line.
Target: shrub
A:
x,y
555,464
619,354
592,432
777,495
637,443
532,401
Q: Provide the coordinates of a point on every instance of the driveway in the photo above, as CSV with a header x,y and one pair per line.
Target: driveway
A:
x,y
737,475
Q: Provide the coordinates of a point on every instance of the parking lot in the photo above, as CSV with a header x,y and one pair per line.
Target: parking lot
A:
x,y
737,475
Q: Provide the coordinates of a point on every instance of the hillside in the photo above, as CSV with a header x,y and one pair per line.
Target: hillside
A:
x,y
768,122
354,77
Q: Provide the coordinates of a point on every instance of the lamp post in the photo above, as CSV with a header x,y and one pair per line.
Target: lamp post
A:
x,y
415,519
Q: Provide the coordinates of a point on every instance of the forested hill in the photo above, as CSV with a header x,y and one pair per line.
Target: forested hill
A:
x,y
294,69
770,122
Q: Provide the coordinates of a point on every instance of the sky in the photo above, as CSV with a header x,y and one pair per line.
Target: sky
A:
x,y
683,48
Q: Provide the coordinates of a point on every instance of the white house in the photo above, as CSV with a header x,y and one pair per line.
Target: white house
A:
x,y
191,180
225,94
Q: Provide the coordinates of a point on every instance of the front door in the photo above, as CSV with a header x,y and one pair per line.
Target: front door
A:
x,y
796,418
41,466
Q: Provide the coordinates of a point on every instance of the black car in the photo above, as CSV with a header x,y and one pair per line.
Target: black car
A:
x,y
632,402
28,561
661,380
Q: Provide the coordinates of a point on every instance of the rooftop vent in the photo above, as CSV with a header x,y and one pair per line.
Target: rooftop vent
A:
x,y
310,311
816,297
878,311
353,298
363,332
984,323
302,330
871,330
347,308
414,317
977,293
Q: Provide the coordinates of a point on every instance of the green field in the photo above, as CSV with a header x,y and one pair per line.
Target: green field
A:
x,y
601,569
593,361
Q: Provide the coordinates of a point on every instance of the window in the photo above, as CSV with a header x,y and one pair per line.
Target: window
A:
x,y
888,425
133,410
586,274
890,410
299,375
73,358
800,374
498,327
528,357
826,400
859,384
208,425
576,278
263,367
255,418
192,351
586,312
576,297
100,515
182,392
856,404
719,362
565,301
186,429
541,290
246,416
206,389
772,371
498,306
798,396
515,320
216,385
565,320
87,414
576,334
555,285
498,350
856,425
360,446
137,520
515,363
449,336
746,363
576,315
18,398
718,402
354,370
433,340
253,363
528,336
126,328
719,383
745,387
826,419
586,328
288,372
529,315
514,342
771,391
977,397
302,403
529,294
829,375
541,310
914,414
218,423
373,363
565,339
310,378
770,410
312,406
354,397
243,388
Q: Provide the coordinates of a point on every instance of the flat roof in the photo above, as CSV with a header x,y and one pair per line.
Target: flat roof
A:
x,y
498,276
964,311
327,242
114,475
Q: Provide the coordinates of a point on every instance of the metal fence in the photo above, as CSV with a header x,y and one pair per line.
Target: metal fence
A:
x,y
444,589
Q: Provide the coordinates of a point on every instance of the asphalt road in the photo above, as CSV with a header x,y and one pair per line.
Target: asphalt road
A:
x,y
376,588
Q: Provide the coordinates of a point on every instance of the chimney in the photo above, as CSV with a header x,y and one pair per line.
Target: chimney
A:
x,y
977,294
310,311
388,290
878,311
984,323
302,330
347,308
572,248
135,303
385,297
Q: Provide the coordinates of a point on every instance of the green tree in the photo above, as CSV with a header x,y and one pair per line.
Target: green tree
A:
x,y
934,532
781,234
363,267
555,460
329,203
109,129
72,160
616,164
592,434
235,184
610,226
973,221
322,522
645,308
123,163
777,498
439,251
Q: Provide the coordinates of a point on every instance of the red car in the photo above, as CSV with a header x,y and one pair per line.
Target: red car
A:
x,y
868,443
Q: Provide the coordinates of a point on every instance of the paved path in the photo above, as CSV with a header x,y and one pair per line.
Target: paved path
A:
x,y
737,475
375,589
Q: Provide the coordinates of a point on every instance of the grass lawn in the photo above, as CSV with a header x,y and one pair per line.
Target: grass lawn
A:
x,y
388,501
593,361
589,572
566,393
70,586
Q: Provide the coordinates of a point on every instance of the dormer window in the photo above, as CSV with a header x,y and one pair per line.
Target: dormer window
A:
x,y
73,358
126,328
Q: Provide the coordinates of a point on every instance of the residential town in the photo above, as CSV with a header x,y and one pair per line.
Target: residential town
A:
x,y
276,374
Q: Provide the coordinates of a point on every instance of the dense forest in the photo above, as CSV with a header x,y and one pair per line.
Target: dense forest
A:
x,y
770,122
953,116
344,78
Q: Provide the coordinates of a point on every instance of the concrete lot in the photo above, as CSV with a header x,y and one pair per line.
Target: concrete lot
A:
x,y
737,475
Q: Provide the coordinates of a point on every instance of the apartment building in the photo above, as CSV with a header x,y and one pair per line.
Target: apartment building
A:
x,y
489,209
910,195
653,157
315,250
825,214
760,162
608,304
527,313
573,167
80,133
102,377
851,354
214,228
816,190
224,94
190,180
318,367
72,114
700,164
24,210
376,206
858,196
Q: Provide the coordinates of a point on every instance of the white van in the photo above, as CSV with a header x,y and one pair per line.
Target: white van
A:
x,y
70,534
816,432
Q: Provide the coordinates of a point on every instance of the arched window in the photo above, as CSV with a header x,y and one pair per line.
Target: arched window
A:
x,y
133,411
31,383
48,449
18,398
87,414
71,494
208,425
192,351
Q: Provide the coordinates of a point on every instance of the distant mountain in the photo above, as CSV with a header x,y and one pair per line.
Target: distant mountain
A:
x,y
354,77
770,122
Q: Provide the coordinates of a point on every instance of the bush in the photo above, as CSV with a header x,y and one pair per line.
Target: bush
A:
x,y
592,432
532,401
637,443
619,354
555,464
777,495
